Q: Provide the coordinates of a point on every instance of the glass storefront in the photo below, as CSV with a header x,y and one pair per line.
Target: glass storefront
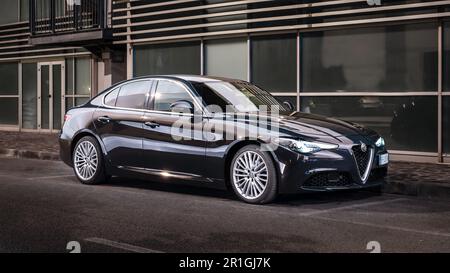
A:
x,y
379,59
391,72
11,14
407,123
399,58
78,81
181,58
9,108
227,58
41,106
446,124
446,88
17,11
29,95
9,93
9,77
274,63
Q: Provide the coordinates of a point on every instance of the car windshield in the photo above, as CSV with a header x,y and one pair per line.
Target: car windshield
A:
x,y
237,97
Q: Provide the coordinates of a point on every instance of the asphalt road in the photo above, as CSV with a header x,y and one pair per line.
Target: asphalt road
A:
x,y
43,207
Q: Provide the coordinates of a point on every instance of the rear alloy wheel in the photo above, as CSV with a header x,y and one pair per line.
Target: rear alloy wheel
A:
x,y
88,161
253,175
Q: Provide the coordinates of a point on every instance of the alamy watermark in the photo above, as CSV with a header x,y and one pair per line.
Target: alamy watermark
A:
x,y
213,124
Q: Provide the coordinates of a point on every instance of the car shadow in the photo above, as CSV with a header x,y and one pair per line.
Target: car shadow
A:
x,y
197,189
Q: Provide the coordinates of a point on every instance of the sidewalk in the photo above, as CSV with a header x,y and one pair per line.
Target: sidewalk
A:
x,y
29,145
416,179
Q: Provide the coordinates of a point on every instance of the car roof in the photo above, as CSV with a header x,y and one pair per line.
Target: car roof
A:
x,y
193,78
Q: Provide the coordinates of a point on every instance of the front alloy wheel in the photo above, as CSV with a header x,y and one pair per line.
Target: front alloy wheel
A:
x,y
253,175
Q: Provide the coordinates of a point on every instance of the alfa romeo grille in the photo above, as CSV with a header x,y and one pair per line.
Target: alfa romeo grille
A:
x,y
363,158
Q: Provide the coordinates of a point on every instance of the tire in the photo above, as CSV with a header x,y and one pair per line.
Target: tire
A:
x,y
88,163
253,175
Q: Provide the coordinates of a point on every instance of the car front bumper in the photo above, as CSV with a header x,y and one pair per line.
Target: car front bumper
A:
x,y
328,170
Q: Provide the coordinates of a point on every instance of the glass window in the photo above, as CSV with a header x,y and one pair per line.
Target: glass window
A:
x,y
9,77
209,97
57,93
70,75
9,13
180,58
133,95
378,59
69,103
45,94
446,122
446,54
24,10
83,76
81,101
29,96
78,76
274,63
111,98
226,58
236,96
407,123
9,111
167,93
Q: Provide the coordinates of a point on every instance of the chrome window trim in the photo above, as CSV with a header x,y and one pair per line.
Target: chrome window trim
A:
x,y
203,110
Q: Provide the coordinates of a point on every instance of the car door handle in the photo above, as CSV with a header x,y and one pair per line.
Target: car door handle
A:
x,y
104,119
151,124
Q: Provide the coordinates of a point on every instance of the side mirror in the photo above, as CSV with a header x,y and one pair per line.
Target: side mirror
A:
x,y
182,106
288,105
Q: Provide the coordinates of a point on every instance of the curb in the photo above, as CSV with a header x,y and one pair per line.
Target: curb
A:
x,y
28,154
429,190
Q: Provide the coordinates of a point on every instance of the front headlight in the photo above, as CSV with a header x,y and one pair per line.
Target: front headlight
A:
x,y
306,147
380,142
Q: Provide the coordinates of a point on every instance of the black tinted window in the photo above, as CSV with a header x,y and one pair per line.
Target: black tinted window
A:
x,y
209,97
167,93
133,95
236,96
111,98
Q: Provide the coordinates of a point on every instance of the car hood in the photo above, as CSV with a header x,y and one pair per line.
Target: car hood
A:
x,y
310,124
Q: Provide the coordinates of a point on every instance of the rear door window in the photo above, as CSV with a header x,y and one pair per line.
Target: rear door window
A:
x,y
133,95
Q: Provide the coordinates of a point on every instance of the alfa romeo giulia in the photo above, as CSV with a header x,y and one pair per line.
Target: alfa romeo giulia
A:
x,y
128,130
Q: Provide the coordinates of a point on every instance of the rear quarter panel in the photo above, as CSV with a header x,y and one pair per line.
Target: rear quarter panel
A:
x,y
80,121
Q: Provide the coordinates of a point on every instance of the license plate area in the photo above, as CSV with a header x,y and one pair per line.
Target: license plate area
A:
x,y
383,159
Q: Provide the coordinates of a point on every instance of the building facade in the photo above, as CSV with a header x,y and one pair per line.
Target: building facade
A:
x,y
382,64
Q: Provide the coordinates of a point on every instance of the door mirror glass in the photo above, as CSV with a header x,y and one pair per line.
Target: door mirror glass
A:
x,y
182,106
